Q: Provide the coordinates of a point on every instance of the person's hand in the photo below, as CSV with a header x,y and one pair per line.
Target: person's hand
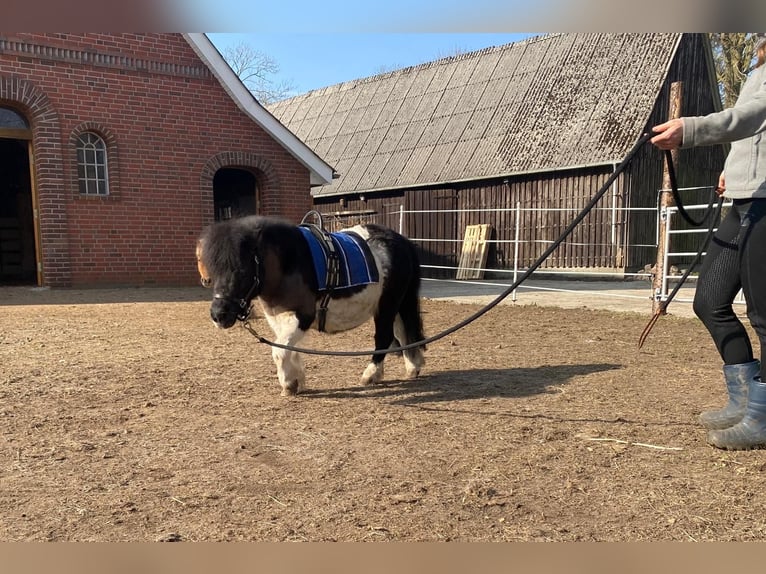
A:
x,y
670,135
721,184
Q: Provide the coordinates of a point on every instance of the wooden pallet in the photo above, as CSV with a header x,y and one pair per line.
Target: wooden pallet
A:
x,y
474,253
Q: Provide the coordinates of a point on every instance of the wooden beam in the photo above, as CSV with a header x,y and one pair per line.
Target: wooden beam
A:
x,y
666,200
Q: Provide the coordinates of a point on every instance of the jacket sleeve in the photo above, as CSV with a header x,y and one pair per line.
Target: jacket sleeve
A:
x,y
742,121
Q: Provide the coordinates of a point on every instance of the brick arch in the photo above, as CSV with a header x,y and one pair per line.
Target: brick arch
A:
x,y
267,175
112,157
48,175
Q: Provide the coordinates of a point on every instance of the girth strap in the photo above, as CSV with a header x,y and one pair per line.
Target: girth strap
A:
x,y
332,277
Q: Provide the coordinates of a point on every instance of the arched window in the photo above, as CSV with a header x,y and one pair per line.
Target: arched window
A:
x,y
11,119
91,164
13,125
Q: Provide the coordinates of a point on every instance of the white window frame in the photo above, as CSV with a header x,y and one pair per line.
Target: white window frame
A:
x,y
92,165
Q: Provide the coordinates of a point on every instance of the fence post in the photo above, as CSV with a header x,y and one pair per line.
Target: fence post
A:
x,y
516,232
666,200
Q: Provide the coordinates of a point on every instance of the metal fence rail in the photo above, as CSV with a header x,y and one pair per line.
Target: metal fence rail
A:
x,y
670,256
671,271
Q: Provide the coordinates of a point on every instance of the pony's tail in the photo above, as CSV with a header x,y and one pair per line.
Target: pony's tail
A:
x,y
409,310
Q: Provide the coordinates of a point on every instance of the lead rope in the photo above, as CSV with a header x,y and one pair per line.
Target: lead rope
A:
x,y
524,276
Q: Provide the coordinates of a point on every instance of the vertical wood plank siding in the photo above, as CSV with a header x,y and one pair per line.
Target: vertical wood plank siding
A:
x,y
548,204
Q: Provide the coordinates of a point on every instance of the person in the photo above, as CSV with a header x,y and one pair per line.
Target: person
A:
x,y
736,256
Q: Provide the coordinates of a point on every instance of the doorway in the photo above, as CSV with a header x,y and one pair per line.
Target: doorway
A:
x,y
18,259
235,193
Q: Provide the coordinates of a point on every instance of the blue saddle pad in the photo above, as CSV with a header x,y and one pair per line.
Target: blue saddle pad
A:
x,y
356,263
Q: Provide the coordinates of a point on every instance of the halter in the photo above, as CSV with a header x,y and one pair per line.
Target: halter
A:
x,y
244,304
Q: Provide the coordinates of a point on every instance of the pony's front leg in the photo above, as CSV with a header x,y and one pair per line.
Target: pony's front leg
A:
x,y
290,371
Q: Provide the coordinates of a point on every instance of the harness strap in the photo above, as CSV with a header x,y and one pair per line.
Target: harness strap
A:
x,y
332,277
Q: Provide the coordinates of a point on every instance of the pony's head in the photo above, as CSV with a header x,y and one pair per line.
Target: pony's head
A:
x,y
227,261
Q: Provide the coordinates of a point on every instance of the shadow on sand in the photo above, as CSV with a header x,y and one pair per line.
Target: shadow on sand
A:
x,y
468,384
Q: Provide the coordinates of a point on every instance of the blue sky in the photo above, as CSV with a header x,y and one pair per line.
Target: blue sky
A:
x,y
334,16
456,16
317,44
311,61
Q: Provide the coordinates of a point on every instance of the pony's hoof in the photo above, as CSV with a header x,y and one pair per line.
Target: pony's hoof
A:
x,y
291,389
413,365
372,375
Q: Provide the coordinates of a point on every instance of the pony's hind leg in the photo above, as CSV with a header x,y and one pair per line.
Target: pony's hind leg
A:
x,y
290,371
408,327
384,336
413,358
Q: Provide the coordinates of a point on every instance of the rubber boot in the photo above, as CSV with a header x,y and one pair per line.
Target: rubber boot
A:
x,y
737,379
750,432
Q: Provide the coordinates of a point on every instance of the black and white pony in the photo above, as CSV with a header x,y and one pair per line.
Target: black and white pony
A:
x,y
271,260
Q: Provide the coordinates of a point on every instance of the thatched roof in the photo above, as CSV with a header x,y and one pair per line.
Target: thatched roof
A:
x,y
552,102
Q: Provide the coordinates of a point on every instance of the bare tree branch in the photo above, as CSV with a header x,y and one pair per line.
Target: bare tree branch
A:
x,y
734,60
257,70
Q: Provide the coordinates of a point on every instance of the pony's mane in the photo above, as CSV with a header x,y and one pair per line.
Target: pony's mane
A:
x,y
222,244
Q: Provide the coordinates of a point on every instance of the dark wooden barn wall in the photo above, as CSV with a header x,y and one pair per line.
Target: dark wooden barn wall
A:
x,y
548,203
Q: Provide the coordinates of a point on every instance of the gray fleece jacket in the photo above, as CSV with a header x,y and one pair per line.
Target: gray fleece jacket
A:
x,y
742,125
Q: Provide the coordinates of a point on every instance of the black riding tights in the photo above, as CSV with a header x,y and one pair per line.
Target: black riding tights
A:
x,y
735,259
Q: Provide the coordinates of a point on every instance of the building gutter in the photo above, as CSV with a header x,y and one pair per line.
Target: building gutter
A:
x,y
445,183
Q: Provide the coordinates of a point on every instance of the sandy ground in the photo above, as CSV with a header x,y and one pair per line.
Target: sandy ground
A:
x,y
125,415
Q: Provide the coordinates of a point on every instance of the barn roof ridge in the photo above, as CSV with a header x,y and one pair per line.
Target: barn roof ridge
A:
x,y
543,103
351,84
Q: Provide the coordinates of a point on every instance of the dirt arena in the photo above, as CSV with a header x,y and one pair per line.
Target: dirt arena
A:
x,y
125,415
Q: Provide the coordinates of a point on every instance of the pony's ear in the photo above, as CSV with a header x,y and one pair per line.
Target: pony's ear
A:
x,y
204,276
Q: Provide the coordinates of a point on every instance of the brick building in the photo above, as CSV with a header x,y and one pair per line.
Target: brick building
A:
x,y
117,149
